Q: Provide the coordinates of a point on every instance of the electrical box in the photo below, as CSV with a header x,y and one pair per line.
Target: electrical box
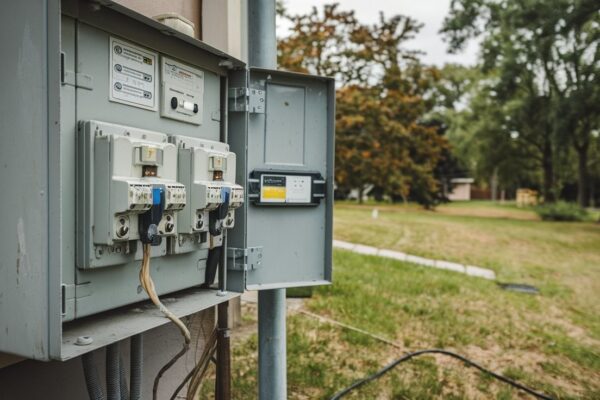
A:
x,y
112,133
286,154
118,131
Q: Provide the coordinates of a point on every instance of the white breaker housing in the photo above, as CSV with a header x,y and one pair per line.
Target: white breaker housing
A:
x,y
205,167
128,162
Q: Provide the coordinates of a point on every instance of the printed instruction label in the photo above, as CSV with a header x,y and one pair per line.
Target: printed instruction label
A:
x,y
133,72
298,189
186,77
285,189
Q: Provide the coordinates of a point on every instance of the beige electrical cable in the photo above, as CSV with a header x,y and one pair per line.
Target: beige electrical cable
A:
x,y
148,285
200,369
195,377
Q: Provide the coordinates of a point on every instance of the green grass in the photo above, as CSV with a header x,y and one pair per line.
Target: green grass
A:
x,y
563,259
550,341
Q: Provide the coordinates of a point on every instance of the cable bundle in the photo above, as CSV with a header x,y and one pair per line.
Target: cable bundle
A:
x,y
148,285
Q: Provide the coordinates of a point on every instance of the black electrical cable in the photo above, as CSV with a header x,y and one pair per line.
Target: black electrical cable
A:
x,y
92,381
212,264
123,380
408,356
136,366
113,378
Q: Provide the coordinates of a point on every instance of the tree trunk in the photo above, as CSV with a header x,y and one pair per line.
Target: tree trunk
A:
x,y
494,185
548,168
377,193
360,195
582,175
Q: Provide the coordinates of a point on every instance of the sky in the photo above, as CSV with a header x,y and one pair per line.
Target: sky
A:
x,y
429,12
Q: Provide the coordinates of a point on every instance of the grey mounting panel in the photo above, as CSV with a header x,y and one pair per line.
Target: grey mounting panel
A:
x,y
55,68
293,136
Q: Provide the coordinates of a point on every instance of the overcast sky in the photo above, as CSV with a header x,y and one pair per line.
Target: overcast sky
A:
x,y
429,12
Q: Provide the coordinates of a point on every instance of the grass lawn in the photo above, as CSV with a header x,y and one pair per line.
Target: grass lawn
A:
x,y
550,341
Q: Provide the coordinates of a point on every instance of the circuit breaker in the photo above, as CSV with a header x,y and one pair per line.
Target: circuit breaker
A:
x,y
208,170
129,171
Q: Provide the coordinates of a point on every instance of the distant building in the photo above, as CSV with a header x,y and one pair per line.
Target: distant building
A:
x,y
354,193
460,189
527,197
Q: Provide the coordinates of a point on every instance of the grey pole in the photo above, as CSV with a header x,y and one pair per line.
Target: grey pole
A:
x,y
272,371
262,43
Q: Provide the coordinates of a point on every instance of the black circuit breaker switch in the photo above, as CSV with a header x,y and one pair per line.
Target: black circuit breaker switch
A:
x,y
149,220
216,217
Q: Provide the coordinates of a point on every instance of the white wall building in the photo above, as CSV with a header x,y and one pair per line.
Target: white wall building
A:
x,y
460,189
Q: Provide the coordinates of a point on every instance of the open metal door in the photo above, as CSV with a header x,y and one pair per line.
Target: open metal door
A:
x,y
281,125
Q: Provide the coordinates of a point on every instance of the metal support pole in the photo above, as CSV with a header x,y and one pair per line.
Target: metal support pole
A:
x,y
262,42
272,371
223,381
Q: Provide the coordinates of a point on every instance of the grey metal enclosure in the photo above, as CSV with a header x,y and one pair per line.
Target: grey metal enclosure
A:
x,y
87,107
284,235
107,115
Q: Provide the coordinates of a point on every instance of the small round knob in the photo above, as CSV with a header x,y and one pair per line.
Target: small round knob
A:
x,y
174,103
123,231
195,108
169,226
152,232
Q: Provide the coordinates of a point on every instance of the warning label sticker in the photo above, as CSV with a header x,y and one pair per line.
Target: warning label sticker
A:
x,y
133,73
272,189
285,189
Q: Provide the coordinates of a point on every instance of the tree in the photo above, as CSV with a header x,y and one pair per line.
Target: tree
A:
x,y
356,144
547,59
454,91
318,43
381,139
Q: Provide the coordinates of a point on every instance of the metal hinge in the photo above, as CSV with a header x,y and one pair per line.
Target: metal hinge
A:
x,y
70,78
79,80
243,99
244,259
67,292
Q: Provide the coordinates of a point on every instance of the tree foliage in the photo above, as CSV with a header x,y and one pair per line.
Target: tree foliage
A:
x,y
542,58
383,94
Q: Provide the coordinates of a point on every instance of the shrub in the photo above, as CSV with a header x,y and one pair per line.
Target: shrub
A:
x,y
561,211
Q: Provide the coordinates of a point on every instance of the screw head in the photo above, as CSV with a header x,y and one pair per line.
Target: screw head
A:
x,y
84,340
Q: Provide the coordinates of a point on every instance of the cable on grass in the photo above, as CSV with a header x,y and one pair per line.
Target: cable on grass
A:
x,y
408,356
470,363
